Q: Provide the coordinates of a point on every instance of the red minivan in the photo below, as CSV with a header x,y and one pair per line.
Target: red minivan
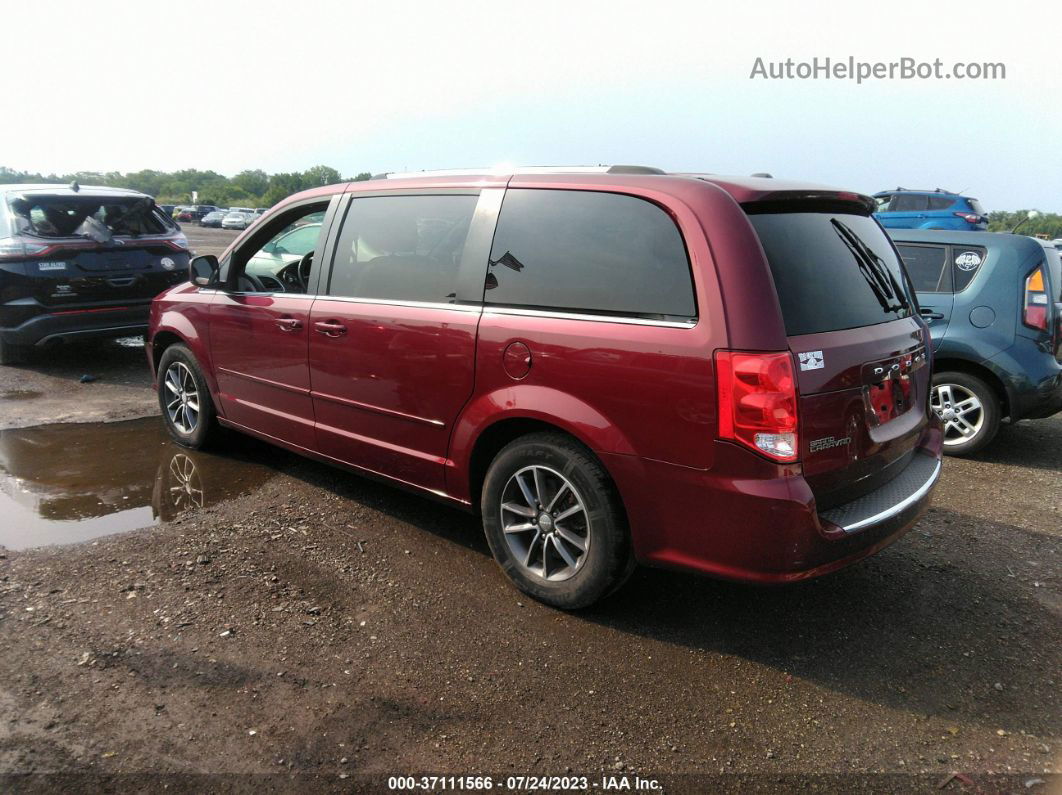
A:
x,y
610,366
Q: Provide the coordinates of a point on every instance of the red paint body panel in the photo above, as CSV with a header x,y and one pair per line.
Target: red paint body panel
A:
x,y
407,390
258,351
386,393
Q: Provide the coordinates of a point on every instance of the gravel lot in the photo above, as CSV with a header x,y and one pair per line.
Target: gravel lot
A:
x,y
328,630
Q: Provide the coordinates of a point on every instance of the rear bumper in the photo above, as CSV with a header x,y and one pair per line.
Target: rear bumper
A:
x,y
1033,381
79,324
760,523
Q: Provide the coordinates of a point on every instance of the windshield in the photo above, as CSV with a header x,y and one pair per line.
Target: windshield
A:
x,y
832,270
94,217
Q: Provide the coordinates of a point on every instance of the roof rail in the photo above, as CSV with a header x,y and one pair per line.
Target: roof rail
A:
x,y
450,172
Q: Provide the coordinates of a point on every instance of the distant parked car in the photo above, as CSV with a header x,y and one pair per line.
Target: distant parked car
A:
x,y
182,213
929,209
168,209
237,220
81,262
213,219
993,303
260,211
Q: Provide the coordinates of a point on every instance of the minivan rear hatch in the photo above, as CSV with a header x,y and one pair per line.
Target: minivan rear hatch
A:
x,y
859,349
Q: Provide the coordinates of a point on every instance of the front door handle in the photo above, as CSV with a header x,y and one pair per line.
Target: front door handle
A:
x,y
929,314
288,323
330,328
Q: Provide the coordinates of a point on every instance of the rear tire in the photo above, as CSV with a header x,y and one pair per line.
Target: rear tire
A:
x,y
969,409
13,354
554,521
184,397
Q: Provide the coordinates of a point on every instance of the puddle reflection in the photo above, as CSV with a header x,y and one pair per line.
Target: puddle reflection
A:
x,y
61,484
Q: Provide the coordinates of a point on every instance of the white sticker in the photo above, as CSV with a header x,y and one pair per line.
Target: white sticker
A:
x,y
168,263
812,360
968,260
52,266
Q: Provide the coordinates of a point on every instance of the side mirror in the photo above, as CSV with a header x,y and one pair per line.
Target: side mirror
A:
x,y
203,270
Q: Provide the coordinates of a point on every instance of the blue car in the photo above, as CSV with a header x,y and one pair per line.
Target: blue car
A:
x,y
993,303
929,209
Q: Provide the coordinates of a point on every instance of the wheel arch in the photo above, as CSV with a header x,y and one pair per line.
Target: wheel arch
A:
x,y
977,370
485,444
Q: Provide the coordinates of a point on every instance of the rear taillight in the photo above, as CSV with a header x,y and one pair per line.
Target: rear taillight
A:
x,y
20,248
1036,300
970,218
178,243
758,402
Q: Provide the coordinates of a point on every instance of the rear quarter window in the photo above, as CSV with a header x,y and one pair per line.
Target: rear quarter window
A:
x,y
589,252
966,261
832,270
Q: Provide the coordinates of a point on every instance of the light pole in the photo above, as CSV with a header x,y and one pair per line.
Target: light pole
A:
x,y
1028,217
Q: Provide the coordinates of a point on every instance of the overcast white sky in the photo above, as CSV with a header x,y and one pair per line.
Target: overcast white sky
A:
x,y
414,85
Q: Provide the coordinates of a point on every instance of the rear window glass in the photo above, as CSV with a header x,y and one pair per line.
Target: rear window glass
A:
x,y
589,252
926,267
95,218
832,270
967,260
976,206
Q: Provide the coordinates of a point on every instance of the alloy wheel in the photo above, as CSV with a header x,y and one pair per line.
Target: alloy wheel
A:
x,y
182,398
960,410
545,523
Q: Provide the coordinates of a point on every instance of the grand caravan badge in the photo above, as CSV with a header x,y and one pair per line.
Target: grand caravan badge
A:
x,y
811,360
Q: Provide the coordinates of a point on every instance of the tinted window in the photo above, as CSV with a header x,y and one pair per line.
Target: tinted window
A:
x,y
967,260
584,251
402,248
831,270
940,202
976,206
925,266
909,202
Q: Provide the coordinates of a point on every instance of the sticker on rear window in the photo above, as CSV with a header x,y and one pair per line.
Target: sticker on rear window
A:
x,y
968,260
52,266
811,360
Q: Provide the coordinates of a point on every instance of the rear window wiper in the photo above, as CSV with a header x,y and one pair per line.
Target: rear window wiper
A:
x,y
877,274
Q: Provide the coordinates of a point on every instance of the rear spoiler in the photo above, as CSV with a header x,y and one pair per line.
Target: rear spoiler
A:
x,y
812,201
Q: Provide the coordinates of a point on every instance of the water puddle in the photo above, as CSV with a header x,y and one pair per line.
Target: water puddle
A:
x,y
60,484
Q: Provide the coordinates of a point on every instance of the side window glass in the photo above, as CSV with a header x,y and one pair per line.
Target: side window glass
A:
x,y
402,248
940,202
966,261
926,267
910,202
586,251
280,258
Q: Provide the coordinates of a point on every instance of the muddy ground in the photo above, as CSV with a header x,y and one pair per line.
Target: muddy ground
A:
x,y
329,631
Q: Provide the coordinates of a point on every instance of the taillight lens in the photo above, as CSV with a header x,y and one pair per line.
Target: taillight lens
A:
x,y
178,242
1036,300
19,248
758,402
970,218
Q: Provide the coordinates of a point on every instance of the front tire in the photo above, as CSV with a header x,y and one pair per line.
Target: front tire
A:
x,y
187,408
969,410
554,521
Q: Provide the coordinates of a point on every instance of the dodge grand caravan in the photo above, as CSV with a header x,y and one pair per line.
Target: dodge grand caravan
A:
x,y
609,366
